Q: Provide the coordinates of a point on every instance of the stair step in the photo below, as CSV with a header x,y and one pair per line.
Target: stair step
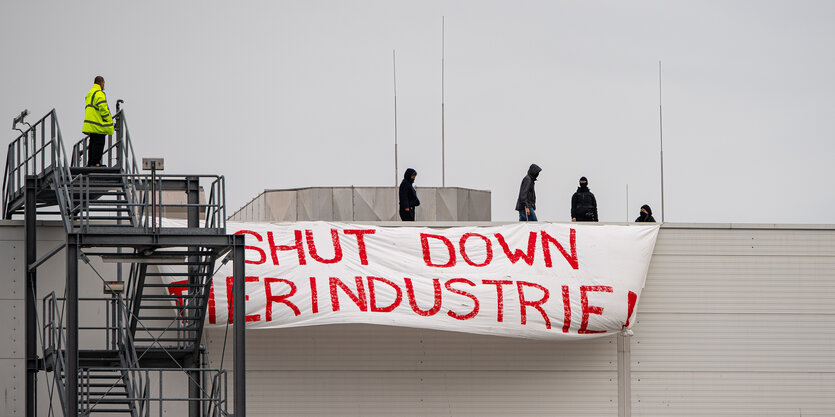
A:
x,y
174,285
158,307
103,202
168,318
110,410
94,394
164,339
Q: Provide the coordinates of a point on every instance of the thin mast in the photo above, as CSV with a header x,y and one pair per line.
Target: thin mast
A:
x,y
661,136
394,67
443,144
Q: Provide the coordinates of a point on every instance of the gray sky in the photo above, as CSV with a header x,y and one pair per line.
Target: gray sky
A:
x,y
293,94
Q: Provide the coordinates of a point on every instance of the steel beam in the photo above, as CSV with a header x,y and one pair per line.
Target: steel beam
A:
x,y
193,198
30,231
238,304
71,375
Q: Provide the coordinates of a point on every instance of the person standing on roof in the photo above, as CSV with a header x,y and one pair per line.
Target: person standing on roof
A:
x,y
97,121
646,215
583,203
408,196
526,202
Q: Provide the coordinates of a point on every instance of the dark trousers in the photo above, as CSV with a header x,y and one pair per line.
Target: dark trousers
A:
x,y
407,216
95,149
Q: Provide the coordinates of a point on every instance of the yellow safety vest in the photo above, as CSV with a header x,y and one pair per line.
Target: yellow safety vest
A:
x,y
97,117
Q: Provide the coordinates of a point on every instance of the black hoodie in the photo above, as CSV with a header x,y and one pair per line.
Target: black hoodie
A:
x,y
646,217
408,195
527,194
584,205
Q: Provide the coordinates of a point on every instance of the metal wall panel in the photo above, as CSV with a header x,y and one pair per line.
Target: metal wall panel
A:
x,y
12,383
314,204
375,204
12,280
740,284
12,342
282,205
740,241
428,200
343,203
446,204
479,205
417,393
368,347
709,394
734,342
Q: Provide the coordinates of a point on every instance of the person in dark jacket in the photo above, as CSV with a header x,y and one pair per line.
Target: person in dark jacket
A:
x,y
646,215
583,203
526,203
408,196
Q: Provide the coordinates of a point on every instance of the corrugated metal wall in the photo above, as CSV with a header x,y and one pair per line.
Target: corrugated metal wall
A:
x,y
734,320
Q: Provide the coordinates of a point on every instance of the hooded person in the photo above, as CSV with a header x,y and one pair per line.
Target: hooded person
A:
x,y
646,215
526,202
408,196
583,203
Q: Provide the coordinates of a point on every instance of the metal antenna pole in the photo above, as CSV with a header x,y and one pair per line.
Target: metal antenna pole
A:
x,y
394,62
661,136
443,145
627,202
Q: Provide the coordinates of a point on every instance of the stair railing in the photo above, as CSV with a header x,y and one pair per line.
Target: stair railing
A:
x,y
38,150
52,342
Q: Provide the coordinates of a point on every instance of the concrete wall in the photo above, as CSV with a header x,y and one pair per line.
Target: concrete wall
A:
x,y
364,204
734,320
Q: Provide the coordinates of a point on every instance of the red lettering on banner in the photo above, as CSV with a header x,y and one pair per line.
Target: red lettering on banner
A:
x,y
566,321
372,296
249,317
358,298
212,312
572,259
488,247
262,256
283,298
464,293
337,248
314,296
299,247
587,309
523,303
631,298
410,292
499,296
514,257
424,243
360,234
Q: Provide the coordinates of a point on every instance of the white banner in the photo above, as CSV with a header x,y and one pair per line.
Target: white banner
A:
x,y
532,280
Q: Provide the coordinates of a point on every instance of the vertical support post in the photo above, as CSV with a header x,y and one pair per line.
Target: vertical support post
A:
x,y
30,216
71,375
624,376
193,361
238,303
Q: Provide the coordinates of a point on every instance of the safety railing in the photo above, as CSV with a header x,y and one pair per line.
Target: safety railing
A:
x,y
52,342
214,400
147,203
38,151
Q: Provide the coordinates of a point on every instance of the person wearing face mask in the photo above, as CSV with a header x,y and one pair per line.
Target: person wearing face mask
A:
x,y
526,202
646,215
583,203
408,196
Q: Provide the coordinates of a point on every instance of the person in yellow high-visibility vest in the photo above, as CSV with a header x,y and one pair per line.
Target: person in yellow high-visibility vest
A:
x,y
97,121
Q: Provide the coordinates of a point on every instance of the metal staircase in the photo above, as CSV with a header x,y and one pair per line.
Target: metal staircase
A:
x,y
153,321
